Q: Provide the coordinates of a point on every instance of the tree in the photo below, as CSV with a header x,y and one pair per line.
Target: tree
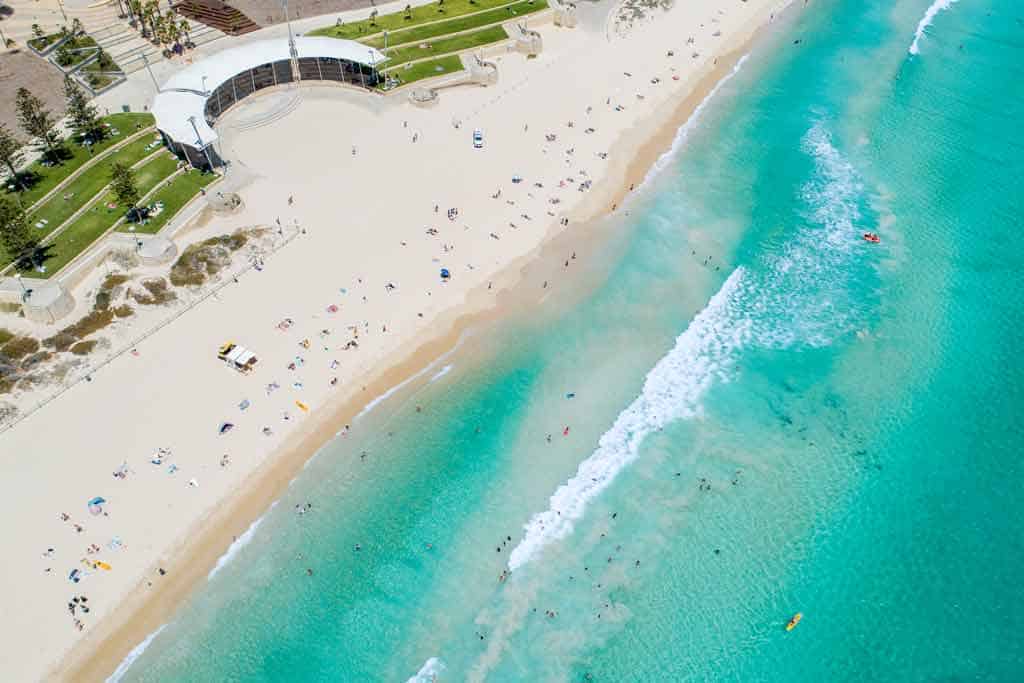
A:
x,y
37,31
64,56
15,232
36,120
135,8
373,18
10,153
82,116
122,181
185,30
151,10
408,11
76,26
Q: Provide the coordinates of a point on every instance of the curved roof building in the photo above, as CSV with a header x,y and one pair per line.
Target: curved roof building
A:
x,y
190,102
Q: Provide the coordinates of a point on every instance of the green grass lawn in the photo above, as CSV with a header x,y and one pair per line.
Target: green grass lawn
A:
x,y
88,227
51,176
175,195
80,234
396,20
153,171
58,209
465,23
427,69
400,55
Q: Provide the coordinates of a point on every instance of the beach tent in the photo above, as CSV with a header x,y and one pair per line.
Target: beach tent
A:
x,y
445,274
238,357
225,427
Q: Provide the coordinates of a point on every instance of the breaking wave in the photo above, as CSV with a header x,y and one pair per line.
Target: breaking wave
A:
x,y
926,21
800,296
136,652
428,672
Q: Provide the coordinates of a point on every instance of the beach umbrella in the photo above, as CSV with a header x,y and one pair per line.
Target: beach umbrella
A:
x,y
445,274
96,505
225,427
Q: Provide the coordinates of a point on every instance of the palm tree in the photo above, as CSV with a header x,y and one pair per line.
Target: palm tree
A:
x,y
135,9
184,28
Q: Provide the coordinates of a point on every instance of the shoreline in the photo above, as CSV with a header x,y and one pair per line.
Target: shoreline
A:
x,y
206,541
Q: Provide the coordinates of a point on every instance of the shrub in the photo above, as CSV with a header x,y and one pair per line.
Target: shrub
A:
x,y
5,336
113,280
123,311
84,348
35,359
158,293
61,341
93,322
19,347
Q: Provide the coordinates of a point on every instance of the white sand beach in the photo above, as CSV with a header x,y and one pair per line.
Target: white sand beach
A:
x,y
373,181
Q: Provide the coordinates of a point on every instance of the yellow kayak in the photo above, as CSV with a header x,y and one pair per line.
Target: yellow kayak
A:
x,y
794,621
103,565
303,406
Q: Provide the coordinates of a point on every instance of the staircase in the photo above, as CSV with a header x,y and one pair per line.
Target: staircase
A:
x,y
130,50
218,14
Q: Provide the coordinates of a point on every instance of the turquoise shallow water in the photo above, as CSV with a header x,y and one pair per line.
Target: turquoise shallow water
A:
x,y
770,415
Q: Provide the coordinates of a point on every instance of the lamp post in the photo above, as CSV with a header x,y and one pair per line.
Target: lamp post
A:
x,y
24,290
192,120
145,61
293,51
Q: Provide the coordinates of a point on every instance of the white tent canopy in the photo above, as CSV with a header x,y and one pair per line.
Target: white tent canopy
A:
x,y
184,95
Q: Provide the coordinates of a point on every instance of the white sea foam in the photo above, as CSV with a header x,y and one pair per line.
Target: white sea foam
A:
x,y
684,130
136,652
239,543
672,390
441,373
798,296
428,672
926,21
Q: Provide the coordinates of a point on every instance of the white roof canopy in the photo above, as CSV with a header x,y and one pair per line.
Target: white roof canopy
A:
x,y
184,94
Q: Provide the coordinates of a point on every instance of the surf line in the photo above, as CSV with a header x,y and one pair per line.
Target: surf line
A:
x,y
136,652
690,124
672,390
926,21
428,672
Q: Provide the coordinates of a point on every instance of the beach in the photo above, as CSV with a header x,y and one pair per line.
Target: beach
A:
x,y
378,197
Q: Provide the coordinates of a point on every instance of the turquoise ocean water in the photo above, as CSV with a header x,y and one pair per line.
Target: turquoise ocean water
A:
x,y
768,414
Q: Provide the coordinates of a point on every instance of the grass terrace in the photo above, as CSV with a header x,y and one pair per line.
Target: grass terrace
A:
x,y
81,190
100,217
465,23
411,73
420,15
463,41
178,192
41,178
